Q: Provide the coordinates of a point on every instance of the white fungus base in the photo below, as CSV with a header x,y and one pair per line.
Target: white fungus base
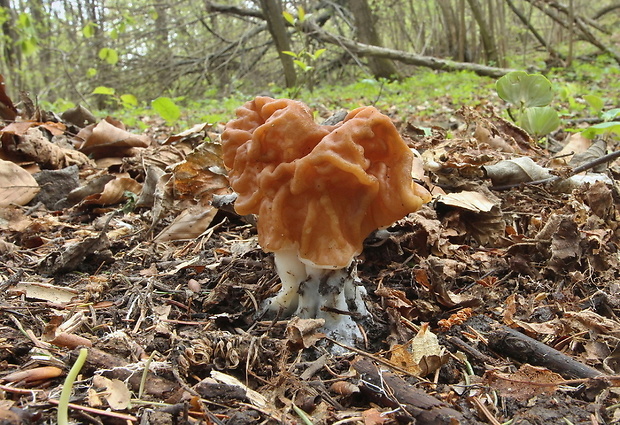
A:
x,y
312,292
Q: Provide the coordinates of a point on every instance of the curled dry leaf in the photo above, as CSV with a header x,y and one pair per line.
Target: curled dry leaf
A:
x,y
116,393
8,111
201,175
422,356
109,138
344,388
31,144
17,186
302,333
114,192
517,170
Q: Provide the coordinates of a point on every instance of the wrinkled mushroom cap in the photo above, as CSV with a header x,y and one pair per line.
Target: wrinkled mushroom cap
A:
x,y
318,189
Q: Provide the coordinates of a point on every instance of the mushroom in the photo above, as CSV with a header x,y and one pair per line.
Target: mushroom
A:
x,y
318,191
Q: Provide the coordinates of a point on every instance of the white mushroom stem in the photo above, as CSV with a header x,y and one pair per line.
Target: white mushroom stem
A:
x,y
313,292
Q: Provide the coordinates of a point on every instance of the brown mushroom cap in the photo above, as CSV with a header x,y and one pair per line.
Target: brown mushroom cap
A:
x,y
318,189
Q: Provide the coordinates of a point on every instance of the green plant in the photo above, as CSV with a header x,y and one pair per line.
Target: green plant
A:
x,y
609,125
65,395
305,59
530,94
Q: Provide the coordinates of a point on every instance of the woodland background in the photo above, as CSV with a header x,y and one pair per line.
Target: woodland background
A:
x,y
498,302
118,55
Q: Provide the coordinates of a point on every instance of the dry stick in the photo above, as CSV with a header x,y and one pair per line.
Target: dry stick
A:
x,y
100,412
528,350
588,165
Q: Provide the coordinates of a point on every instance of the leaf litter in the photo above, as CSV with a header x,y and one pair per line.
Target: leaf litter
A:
x,y
487,305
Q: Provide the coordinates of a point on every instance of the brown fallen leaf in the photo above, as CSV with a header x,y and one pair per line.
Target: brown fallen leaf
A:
x,y
17,186
114,192
116,392
109,138
8,112
190,224
302,333
527,382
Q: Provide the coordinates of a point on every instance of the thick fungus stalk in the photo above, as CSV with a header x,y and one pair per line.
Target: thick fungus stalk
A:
x,y
318,192
309,291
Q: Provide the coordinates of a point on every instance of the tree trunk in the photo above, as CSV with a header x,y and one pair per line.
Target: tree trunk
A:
x,y
12,54
272,11
552,52
488,43
367,34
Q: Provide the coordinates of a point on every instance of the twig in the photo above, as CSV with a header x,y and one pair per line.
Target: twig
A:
x,y
583,167
375,358
100,412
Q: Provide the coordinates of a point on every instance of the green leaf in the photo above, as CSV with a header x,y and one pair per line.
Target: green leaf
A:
x,y
24,20
602,128
304,66
289,18
595,102
301,14
89,30
540,121
166,108
108,55
524,90
318,53
104,90
129,100
91,72
288,52
611,114
29,46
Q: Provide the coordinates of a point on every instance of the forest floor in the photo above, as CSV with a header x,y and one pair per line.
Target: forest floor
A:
x,y
498,302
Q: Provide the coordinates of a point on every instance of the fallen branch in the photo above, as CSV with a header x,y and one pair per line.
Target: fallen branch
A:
x,y
390,390
362,49
528,350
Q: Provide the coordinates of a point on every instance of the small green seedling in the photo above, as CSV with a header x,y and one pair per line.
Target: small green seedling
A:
x,y
608,127
530,94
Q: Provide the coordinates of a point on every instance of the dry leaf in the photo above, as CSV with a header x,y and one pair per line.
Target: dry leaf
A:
x,y
576,144
17,186
302,333
255,398
467,200
108,138
422,355
114,192
116,392
527,382
517,170
190,224
46,292
344,388
374,417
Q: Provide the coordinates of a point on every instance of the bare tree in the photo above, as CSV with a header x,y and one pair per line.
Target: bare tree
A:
x,y
367,34
272,12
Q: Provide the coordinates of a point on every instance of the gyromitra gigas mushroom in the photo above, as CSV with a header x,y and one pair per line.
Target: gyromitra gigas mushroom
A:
x,y
319,191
